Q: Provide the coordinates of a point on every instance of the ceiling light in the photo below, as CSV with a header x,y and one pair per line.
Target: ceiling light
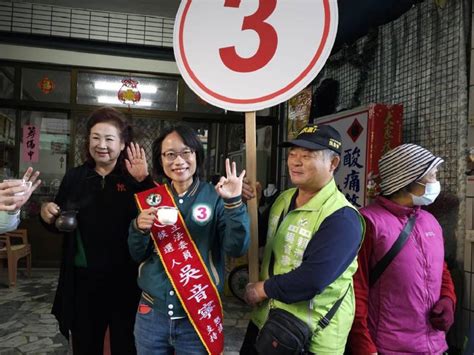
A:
x,y
116,85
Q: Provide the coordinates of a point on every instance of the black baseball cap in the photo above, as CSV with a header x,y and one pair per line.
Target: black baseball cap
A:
x,y
317,137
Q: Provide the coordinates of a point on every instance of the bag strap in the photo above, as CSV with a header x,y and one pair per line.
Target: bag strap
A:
x,y
324,321
380,267
271,264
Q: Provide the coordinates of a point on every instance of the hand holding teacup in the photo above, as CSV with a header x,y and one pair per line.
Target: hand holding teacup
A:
x,y
146,218
9,198
163,215
167,215
15,192
20,186
31,181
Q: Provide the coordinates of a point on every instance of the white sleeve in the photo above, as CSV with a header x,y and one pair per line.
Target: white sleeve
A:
x,y
9,221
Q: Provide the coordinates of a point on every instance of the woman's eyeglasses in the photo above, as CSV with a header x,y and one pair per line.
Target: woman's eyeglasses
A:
x,y
170,156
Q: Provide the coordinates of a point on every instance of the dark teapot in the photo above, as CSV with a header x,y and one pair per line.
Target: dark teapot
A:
x,y
67,221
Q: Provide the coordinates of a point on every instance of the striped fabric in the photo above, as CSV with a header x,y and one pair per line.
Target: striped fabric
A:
x,y
403,165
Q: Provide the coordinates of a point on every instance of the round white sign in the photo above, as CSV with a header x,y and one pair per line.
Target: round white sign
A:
x,y
246,55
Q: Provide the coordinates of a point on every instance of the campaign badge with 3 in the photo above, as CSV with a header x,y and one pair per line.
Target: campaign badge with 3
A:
x,y
202,213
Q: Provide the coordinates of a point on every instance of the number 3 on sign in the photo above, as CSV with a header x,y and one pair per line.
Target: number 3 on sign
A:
x,y
242,55
266,32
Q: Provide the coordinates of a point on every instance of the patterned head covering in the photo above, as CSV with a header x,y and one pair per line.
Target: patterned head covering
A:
x,y
403,165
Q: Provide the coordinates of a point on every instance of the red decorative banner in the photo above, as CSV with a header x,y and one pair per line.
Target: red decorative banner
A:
x,y
186,271
30,144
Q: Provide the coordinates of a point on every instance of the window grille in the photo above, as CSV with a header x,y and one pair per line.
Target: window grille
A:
x,y
55,21
416,60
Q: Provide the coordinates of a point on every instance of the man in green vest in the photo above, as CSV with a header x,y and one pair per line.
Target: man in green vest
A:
x,y
313,238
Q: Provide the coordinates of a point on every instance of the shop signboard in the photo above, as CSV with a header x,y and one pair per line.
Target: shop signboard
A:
x,y
367,133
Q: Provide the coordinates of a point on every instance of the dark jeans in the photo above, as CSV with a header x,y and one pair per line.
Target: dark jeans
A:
x,y
157,334
102,300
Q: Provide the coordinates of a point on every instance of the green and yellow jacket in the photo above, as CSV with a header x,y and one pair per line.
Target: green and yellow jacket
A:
x,y
315,256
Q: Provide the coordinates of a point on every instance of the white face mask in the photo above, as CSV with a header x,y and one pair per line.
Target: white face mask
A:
x,y
432,190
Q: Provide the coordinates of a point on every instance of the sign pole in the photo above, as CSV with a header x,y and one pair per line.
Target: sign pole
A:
x,y
209,57
251,172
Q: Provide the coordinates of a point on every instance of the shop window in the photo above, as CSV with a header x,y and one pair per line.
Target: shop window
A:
x,y
236,150
203,131
7,80
193,103
45,85
44,145
7,142
123,91
266,112
236,137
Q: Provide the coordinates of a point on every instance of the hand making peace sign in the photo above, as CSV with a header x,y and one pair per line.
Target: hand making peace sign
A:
x,y
230,186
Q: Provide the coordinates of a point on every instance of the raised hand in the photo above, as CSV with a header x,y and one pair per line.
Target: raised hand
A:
x,y
230,186
136,163
15,193
9,194
32,177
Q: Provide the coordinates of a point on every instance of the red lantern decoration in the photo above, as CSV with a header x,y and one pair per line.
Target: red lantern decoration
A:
x,y
46,85
129,93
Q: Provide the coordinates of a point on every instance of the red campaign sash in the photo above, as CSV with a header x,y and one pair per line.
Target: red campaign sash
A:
x,y
186,271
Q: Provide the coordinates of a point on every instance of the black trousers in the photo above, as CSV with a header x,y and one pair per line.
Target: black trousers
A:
x,y
104,300
248,346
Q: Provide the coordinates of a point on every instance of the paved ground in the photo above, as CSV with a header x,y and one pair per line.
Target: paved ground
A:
x,y
27,327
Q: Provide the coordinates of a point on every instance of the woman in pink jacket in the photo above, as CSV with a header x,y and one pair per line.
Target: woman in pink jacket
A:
x,y
409,308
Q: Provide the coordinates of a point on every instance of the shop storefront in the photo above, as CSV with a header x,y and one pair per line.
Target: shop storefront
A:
x,y
44,109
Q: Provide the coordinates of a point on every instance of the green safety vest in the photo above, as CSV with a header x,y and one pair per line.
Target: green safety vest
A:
x,y
288,242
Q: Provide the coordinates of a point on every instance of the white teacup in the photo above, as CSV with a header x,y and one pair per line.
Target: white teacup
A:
x,y
20,182
167,215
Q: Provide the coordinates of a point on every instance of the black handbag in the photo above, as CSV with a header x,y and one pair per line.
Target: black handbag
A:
x,y
283,334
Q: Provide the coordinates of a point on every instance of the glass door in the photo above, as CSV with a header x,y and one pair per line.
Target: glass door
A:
x,y
45,139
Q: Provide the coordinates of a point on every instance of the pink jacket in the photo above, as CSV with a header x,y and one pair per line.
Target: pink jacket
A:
x,y
400,302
